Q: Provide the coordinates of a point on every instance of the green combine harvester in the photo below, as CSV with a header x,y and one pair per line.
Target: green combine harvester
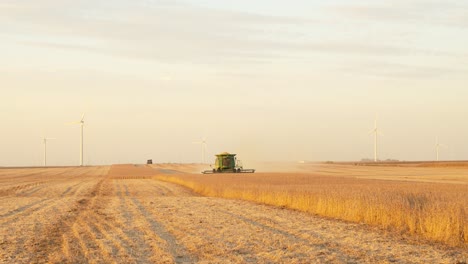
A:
x,y
227,163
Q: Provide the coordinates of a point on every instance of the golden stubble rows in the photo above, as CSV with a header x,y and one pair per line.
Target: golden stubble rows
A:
x,y
34,202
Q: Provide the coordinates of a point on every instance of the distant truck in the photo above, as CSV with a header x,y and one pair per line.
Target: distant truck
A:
x,y
227,163
150,161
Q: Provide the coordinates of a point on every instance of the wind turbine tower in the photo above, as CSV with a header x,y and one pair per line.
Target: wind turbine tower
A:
x,y
44,140
203,149
81,123
438,145
376,133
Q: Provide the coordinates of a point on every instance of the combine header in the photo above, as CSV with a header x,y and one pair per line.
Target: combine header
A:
x,y
227,163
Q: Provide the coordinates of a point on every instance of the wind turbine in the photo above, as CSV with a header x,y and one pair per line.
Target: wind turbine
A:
x,y
376,133
44,140
438,145
203,148
81,123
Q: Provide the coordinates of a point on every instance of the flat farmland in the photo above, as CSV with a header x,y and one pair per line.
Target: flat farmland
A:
x,y
132,214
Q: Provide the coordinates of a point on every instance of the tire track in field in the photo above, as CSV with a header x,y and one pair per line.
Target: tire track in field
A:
x,y
30,192
164,191
178,252
130,236
43,246
31,207
114,238
34,212
70,188
22,209
19,188
100,236
93,240
98,249
316,242
43,233
170,189
144,232
43,223
330,241
39,184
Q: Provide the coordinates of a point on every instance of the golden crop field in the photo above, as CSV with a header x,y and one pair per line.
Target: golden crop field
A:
x,y
428,202
126,214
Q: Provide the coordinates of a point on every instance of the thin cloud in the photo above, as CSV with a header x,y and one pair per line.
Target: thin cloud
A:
x,y
388,70
174,32
449,13
158,31
375,49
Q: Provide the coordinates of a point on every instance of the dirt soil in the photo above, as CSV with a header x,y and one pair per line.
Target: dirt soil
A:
x,y
122,214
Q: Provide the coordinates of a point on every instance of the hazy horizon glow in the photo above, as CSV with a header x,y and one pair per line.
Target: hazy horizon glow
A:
x,y
269,80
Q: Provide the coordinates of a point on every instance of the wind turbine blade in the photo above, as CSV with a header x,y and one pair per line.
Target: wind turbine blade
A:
x,y
82,117
198,142
73,123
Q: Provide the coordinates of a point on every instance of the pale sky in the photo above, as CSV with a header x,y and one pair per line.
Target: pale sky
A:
x,y
269,80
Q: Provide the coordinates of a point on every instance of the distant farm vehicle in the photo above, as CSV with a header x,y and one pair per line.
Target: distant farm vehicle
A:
x,y
227,163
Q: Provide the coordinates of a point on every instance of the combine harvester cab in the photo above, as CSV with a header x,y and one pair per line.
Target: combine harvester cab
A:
x,y
227,163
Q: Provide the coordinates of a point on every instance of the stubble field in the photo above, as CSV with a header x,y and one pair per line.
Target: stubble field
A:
x,y
126,214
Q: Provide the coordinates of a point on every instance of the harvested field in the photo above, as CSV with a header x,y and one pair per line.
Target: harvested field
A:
x,y
123,214
424,202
